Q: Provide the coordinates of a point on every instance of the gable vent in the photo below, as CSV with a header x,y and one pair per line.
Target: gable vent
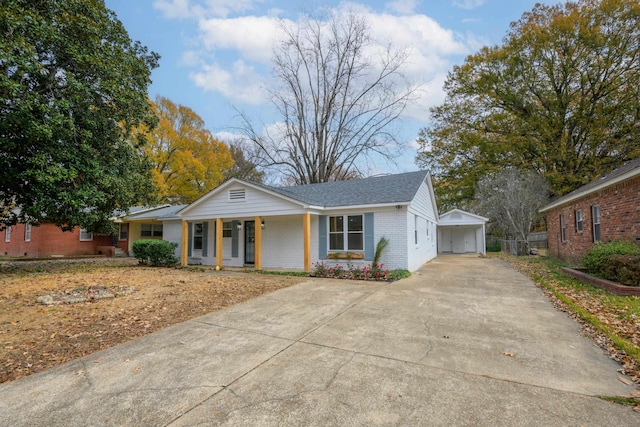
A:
x,y
238,194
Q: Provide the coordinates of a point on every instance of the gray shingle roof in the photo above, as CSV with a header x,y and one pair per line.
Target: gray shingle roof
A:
x,y
400,188
167,212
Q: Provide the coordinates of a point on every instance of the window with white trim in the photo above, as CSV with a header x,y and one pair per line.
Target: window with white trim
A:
x,y
346,233
27,232
123,230
563,228
150,230
7,234
595,215
85,236
579,221
227,229
198,229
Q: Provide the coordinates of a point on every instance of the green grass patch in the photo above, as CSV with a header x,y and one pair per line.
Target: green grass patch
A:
x,y
398,274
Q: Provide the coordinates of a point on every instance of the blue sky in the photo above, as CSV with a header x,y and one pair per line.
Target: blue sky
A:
x,y
215,54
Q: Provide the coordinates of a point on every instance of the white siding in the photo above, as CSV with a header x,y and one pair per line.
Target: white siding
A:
x,y
283,243
425,249
255,203
172,232
391,223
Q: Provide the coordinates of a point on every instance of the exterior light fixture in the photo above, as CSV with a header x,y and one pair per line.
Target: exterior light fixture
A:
x,y
262,225
239,226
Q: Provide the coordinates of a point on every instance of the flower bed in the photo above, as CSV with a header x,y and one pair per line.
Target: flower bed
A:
x,y
607,285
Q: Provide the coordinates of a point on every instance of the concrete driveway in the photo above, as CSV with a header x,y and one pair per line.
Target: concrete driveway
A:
x,y
464,341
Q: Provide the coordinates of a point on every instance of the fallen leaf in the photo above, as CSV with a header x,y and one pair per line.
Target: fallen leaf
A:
x,y
625,380
506,353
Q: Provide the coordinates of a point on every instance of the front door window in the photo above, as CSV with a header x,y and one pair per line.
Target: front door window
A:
x,y
249,242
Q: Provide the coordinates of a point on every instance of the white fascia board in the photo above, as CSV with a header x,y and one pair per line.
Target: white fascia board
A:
x,y
360,207
232,181
625,176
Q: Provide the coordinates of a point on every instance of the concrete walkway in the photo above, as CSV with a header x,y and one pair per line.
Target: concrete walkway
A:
x,y
464,341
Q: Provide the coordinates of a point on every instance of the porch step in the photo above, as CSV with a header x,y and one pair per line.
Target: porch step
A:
x,y
119,252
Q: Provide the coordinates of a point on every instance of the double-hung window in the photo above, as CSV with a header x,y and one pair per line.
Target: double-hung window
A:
x,y
27,232
227,229
563,228
346,233
85,236
7,234
150,230
595,216
198,230
122,231
579,221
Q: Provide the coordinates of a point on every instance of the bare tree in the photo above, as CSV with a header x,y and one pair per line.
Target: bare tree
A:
x,y
512,198
337,93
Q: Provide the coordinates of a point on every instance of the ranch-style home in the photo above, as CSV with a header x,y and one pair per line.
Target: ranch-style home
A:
x,y
242,223
605,209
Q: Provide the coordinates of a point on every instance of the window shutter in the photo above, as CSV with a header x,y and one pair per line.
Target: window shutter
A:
x,y
369,246
205,240
190,239
234,238
322,237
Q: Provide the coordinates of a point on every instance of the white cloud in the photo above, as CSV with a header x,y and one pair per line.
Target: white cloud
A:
x,y
174,9
241,83
181,9
251,36
404,7
467,4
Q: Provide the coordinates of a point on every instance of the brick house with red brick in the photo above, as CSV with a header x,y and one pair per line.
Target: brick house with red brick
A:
x,y
603,210
47,240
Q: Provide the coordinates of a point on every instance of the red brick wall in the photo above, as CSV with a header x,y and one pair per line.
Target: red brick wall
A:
x,y
48,240
619,220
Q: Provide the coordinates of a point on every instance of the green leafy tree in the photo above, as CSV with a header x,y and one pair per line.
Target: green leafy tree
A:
x,y
560,96
72,86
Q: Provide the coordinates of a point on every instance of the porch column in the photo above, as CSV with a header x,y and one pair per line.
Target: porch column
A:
x,y
258,243
306,231
184,258
219,242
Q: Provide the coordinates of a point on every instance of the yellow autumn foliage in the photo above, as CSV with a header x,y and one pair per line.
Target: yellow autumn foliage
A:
x,y
187,160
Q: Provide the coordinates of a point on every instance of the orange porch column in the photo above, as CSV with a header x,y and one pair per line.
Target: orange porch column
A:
x,y
258,243
306,230
184,258
219,242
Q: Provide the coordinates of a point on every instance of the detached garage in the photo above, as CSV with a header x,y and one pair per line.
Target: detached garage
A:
x,y
461,232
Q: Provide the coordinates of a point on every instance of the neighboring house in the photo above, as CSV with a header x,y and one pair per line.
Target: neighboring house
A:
x,y
461,232
242,223
159,222
603,210
48,240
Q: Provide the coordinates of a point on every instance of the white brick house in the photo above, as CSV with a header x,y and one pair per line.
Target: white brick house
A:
x,y
242,223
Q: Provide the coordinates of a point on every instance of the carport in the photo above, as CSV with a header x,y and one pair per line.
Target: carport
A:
x,y
461,232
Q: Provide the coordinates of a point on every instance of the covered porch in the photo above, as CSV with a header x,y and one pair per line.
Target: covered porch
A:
x,y
260,242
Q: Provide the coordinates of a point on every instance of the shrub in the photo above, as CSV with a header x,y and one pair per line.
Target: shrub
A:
x,y
624,269
155,252
596,259
494,246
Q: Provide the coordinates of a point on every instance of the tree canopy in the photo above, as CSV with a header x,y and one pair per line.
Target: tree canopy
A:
x,y
560,96
72,85
337,94
187,161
